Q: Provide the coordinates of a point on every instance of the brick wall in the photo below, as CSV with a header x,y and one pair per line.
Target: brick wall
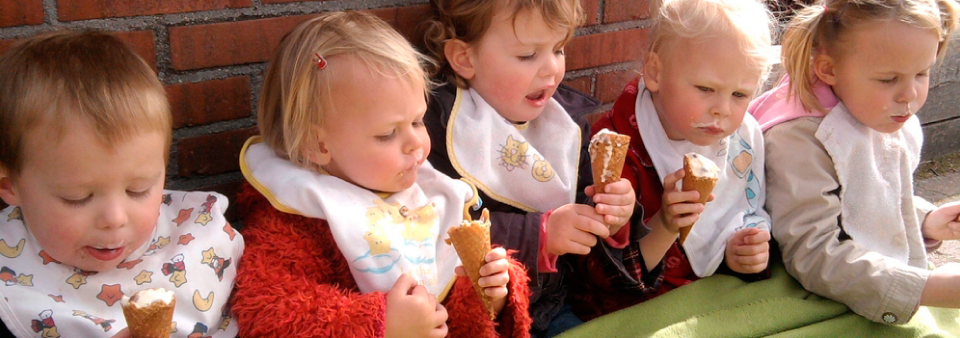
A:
x,y
210,55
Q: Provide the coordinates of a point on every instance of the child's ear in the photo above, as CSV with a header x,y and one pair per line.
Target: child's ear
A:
x,y
319,154
651,72
458,55
8,190
824,67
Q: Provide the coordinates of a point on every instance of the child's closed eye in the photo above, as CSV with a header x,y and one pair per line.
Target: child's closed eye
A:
x,y
704,89
889,80
76,202
138,193
527,57
559,52
387,137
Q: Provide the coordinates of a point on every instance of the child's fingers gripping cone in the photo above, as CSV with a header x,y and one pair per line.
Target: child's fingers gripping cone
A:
x,y
700,174
472,241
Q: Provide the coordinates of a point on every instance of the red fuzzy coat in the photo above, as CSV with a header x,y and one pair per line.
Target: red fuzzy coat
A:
x,y
293,281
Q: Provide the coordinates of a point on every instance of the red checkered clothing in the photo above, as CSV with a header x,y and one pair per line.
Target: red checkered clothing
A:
x,y
611,278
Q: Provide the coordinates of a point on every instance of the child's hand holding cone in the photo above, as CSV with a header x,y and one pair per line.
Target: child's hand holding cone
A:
x,y
700,174
486,267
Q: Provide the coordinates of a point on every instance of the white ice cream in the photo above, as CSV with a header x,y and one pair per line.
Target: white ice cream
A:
x,y
603,139
701,166
144,298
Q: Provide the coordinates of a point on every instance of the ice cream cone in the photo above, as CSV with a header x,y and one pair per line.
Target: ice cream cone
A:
x,y
149,318
701,174
608,150
472,241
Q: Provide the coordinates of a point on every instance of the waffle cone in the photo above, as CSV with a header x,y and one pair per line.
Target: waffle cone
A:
x,y
703,184
152,321
472,241
608,150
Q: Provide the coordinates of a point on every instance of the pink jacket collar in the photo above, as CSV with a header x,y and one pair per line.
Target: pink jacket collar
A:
x,y
776,106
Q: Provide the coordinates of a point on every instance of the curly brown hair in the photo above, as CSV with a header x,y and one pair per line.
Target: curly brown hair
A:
x,y
468,20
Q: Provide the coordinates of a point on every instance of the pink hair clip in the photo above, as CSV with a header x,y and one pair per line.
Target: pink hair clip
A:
x,y
321,62
824,8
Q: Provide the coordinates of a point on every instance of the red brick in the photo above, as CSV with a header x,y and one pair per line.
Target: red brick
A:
x,y
143,43
408,22
610,85
590,11
209,101
228,43
212,153
623,10
581,83
405,20
6,44
594,50
593,117
21,12
69,10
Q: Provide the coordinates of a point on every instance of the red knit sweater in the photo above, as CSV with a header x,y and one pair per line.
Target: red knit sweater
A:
x,y
293,281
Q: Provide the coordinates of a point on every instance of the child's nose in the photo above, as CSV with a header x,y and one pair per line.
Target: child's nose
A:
x,y
112,215
721,108
550,67
412,143
909,93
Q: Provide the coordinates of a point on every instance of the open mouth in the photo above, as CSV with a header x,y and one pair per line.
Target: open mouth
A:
x,y
104,254
537,96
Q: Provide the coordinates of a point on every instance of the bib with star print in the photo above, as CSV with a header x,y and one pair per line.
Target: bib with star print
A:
x,y
193,252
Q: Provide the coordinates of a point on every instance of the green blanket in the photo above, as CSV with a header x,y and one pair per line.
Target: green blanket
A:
x,y
725,306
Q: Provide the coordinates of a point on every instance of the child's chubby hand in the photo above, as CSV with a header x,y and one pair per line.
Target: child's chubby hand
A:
x,y
572,228
748,250
615,204
413,312
493,277
679,208
943,223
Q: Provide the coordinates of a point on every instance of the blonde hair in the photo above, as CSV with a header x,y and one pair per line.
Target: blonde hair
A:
x,y
295,92
63,77
820,28
749,21
468,20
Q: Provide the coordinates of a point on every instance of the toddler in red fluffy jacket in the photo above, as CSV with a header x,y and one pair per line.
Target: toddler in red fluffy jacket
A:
x,y
345,220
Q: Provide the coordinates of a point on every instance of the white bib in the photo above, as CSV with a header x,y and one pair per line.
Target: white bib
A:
x,y
532,167
739,193
193,252
381,238
875,171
